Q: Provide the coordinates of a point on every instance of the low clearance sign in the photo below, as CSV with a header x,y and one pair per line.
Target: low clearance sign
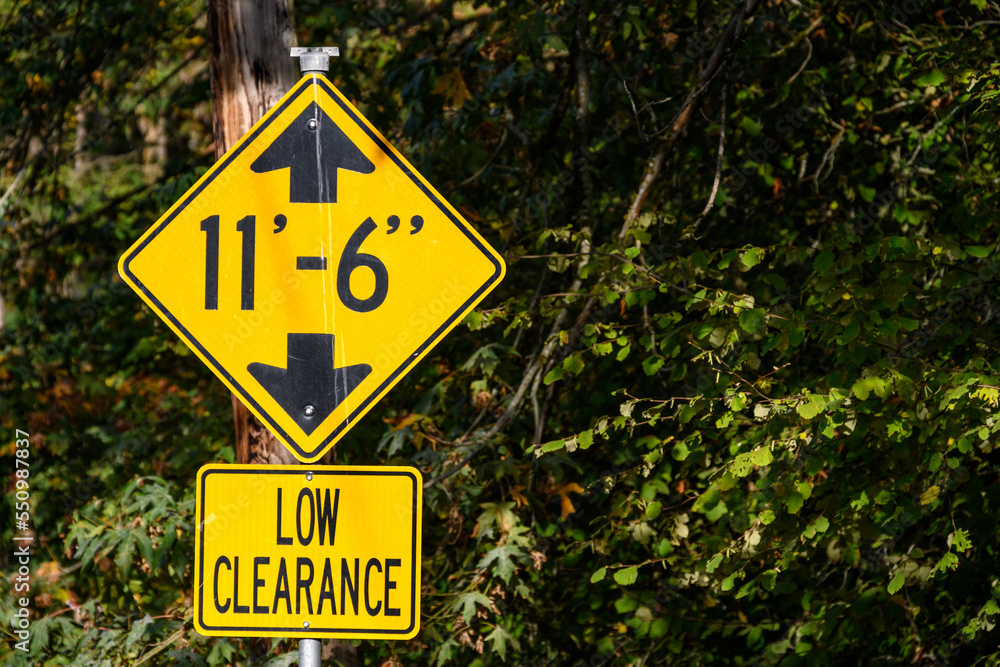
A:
x,y
308,551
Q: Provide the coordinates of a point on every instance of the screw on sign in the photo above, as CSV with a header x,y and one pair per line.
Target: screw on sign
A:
x,y
312,267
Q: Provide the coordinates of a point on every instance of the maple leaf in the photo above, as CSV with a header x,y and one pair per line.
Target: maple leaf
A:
x,y
465,603
400,423
503,556
499,638
564,490
452,87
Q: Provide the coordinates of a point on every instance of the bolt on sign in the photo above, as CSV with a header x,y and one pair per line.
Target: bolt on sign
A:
x,y
323,552
311,267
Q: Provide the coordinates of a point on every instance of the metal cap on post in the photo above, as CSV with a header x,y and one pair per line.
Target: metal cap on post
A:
x,y
315,59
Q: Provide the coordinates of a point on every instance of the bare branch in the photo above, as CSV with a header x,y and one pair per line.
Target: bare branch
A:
x,y
718,166
724,50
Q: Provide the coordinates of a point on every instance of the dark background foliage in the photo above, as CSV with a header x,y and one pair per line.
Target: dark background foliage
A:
x,y
735,402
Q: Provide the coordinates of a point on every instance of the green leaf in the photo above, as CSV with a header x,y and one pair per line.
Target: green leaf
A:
x,y
473,320
896,583
766,517
598,575
960,540
135,634
850,332
714,563
145,547
653,510
708,500
221,653
746,589
948,562
794,502
752,257
718,336
625,604
446,652
627,576
823,262
762,456
753,320
809,409
123,558
572,364
466,602
717,512
585,439
930,79
861,389
502,557
555,374
499,638
680,452
553,446
741,465
977,250
820,525
652,365
751,126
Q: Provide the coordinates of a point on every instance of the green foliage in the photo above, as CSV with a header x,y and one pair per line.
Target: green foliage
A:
x,y
761,432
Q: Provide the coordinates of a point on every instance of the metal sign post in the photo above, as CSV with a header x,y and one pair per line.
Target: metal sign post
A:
x,y
313,59
309,653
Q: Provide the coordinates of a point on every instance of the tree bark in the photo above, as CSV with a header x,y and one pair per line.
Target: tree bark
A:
x,y
250,65
250,70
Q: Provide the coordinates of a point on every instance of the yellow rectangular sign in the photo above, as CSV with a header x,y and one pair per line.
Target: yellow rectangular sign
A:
x,y
308,551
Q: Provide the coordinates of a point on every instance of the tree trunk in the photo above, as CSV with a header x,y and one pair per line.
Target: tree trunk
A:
x,y
251,69
250,65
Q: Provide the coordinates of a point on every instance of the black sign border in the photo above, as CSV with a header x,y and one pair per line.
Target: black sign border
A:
x,y
306,84
297,630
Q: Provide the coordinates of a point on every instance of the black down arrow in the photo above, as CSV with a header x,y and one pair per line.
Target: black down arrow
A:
x,y
310,388
315,148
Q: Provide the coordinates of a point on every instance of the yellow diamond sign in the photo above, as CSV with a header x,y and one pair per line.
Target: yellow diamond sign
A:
x,y
324,551
311,267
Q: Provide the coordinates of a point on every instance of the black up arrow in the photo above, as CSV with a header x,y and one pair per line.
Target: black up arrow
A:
x,y
310,388
315,148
